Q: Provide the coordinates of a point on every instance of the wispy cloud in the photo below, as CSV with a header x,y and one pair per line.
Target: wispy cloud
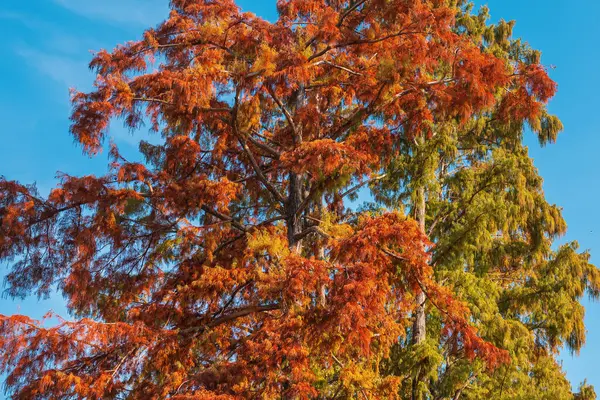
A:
x,y
53,37
121,12
62,57
14,16
70,72
54,52
63,69
57,54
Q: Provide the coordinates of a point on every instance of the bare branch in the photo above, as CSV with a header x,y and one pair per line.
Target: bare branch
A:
x,y
349,10
308,231
239,313
338,67
361,185
261,176
200,109
362,41
283,109
225,218
265,147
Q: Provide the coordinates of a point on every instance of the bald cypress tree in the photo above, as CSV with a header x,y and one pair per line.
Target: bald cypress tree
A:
x,y
226,264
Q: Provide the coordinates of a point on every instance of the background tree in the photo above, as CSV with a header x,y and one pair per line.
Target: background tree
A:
x,y
479,198
226,264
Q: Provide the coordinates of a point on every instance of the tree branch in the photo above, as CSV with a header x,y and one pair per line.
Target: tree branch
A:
x,y
239,313
265,147
261,176
308,231
225,218
349,10
361,185
338,67
283,109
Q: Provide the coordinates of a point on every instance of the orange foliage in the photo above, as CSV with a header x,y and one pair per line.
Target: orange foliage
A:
x,y
203,272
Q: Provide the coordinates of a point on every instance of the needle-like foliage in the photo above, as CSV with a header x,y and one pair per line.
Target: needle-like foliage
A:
x,y
227,264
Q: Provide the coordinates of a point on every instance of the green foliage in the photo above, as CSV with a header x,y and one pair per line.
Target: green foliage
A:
x,y
494,234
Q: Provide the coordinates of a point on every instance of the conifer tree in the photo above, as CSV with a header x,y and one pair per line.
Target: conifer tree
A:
x,y
227,265
483,207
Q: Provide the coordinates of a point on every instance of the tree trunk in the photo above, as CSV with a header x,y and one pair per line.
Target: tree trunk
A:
x,y
294,221
296,185
419,323
321,290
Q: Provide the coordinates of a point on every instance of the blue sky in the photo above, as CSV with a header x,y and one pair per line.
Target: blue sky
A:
x,y
46,48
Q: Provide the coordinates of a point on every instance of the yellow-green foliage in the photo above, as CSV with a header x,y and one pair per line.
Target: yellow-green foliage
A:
x,y
494,234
